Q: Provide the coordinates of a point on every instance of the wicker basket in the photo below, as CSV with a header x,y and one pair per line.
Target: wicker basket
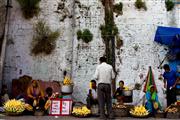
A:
x,y
13,113
94,110
173,115
136,116
79,116
160,115
38,113
121,112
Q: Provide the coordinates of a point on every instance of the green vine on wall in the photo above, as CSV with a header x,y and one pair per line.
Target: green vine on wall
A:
x,y
30,8
119,42
169,5
44,40
139,4
108,32
85,35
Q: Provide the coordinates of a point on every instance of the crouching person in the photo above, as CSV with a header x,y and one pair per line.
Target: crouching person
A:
x,y
119,93
92,100
152,103
92,95
36,95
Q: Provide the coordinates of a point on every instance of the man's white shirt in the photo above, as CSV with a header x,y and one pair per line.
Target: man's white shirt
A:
x,y
104,73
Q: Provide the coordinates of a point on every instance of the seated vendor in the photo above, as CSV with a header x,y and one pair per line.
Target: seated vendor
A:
x,y
4,97
49,93
119,92
92,95
35,95
152,104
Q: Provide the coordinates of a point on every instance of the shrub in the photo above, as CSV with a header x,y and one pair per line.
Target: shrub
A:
x,y
117,8
44,41
140,4
119,42
79,34
30,8
86,35
108,30
169,5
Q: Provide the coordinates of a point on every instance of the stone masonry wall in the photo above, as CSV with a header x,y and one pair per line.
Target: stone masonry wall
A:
x,y
19,60
89,14
136,28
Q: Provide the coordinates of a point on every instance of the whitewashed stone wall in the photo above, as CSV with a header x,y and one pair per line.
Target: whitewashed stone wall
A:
x,y
136,27
90,15
19,60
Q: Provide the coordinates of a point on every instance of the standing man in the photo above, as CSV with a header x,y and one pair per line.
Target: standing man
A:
x,y
104,75
170,80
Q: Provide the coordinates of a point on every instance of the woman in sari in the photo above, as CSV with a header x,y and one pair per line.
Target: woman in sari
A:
x,y
152,104
35,95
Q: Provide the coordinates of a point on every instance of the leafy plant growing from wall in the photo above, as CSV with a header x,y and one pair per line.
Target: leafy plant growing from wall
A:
x,y
108,32
169,5
30,8
117,8
79,34
44,40
85,35
139,4
119,42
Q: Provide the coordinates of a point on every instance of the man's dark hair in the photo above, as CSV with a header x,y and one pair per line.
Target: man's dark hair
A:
x,y
121,82
166,66
102,59
93,81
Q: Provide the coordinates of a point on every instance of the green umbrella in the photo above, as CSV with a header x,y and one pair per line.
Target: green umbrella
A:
x,y
149,80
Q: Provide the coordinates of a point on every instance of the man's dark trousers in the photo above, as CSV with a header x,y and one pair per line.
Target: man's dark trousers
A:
x,y
171,96
104,98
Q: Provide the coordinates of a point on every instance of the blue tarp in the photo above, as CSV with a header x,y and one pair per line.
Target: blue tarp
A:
x,y
168,36
171,37
174,64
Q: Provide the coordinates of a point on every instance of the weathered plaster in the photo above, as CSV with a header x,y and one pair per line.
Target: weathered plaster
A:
x,y
136,27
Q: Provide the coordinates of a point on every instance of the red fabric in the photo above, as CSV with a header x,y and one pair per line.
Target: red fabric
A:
x,y
149,80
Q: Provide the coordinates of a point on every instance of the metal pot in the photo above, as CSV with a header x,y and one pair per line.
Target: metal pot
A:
x,y
127,92
67,88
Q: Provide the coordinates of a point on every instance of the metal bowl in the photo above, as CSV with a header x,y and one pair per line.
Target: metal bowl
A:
x,y
67,88
127,92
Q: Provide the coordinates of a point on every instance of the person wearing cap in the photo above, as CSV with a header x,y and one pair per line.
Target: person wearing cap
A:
x,y
104,75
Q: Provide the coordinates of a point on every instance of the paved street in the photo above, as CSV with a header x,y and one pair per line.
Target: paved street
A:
x,y
66,118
